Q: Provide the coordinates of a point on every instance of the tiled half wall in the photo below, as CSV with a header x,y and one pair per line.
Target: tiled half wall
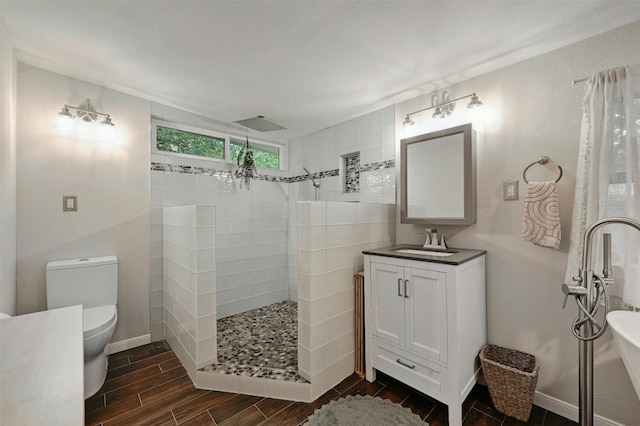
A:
x,y
331,238
190,284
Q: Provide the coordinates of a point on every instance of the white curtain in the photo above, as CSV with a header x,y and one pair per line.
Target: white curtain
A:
x,y
608,173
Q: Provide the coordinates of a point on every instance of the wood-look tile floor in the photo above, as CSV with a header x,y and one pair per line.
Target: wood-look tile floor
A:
x,y
148,386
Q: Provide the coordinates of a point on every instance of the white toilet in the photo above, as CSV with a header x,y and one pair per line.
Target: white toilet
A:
x,y
92,283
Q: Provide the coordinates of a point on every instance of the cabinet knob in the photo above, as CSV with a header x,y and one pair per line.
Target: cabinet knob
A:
x,y
399,291
406,294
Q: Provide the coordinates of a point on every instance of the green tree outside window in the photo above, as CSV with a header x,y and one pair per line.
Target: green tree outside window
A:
x,y
265,156
183,142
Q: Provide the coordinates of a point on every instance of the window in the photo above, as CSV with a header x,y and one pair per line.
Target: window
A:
x,y
184,142
187,141
265,156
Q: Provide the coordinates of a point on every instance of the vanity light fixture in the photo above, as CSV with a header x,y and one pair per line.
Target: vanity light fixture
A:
x,y
86,113
443,107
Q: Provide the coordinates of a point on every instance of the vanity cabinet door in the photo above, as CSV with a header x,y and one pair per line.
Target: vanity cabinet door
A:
x,y
387,300
426,313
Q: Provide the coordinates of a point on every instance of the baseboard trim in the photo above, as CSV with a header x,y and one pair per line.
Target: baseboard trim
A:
x,y
123,345
567,410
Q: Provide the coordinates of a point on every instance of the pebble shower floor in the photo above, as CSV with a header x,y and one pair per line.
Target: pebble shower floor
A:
x,y
260,343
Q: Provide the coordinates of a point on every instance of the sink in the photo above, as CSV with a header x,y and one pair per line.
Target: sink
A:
x,y
425,252
625,326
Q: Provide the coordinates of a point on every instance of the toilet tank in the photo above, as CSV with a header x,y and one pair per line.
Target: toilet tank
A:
x,y
89,282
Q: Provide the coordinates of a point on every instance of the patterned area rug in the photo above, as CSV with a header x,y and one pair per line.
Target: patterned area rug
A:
x,y
363,411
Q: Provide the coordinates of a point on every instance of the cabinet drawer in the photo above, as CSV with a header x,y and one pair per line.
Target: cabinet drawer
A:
x,y
429,374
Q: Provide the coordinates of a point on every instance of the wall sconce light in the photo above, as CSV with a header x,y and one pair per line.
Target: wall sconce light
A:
x,y
87,115
444,107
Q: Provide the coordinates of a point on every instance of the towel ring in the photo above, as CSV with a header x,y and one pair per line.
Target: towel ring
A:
x,y
542,160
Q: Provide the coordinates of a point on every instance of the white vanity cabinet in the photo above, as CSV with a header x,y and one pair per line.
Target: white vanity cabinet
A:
x,y
408,312
425,322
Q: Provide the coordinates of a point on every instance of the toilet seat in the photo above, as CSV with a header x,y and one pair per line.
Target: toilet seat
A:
x,y
95,320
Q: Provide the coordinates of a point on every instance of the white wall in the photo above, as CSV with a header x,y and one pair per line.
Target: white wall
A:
x,y
532,109
7,173
111,180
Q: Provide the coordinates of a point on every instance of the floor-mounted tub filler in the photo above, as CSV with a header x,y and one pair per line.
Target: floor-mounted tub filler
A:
x,y
590,293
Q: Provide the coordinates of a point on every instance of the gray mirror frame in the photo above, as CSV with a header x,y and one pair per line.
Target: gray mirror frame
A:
x,y
470,189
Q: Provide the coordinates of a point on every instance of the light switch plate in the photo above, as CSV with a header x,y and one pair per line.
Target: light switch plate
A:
x,y
510,190
69,203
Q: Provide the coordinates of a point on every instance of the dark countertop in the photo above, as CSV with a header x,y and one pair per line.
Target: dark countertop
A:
x,y
459,257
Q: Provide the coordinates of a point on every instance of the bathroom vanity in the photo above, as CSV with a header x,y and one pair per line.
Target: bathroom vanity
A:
x,y
425,319
41,368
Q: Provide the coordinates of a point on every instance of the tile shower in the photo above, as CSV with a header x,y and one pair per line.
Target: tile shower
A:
x,y
221,253
319,351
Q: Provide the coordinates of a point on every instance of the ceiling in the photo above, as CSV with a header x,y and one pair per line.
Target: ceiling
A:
x,y
306,65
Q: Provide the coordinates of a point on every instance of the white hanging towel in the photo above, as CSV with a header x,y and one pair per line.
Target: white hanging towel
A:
x,y
541,221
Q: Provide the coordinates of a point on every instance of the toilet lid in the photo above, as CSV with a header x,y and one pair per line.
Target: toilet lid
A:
x,y
98,319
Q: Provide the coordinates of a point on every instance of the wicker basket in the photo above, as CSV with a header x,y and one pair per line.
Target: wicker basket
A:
x,y
511,378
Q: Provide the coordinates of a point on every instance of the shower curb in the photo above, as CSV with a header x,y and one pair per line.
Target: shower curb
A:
x,y
257,386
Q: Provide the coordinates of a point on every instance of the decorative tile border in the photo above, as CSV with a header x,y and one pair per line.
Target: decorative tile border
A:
x,y
316,175
226,174
173,168
378,165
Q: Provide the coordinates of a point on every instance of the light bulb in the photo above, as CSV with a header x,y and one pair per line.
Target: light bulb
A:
x,y
108,132
475,102
86,129
439,112
63,124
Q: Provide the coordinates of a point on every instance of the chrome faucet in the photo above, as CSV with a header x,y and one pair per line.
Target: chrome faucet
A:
x,y
432,241
429,237
443,241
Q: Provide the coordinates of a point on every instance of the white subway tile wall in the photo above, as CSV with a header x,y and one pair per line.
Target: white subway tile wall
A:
x,y
157,273
190,280
373,136
251,226
251,243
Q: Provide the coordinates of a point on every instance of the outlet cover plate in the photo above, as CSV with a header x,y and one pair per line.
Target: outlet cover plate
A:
x,y
510,190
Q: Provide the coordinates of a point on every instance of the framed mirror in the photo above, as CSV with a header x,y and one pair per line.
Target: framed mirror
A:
x,y
439,177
